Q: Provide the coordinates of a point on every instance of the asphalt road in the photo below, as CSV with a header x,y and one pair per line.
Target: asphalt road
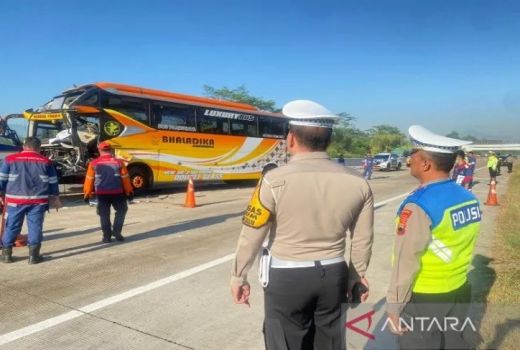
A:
x,y
166,286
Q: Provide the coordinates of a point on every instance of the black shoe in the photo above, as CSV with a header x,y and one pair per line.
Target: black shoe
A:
x,y
119,238
7,255
34,254
106,240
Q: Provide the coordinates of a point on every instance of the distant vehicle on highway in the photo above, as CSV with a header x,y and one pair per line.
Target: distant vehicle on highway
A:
x,y
387,161
502,160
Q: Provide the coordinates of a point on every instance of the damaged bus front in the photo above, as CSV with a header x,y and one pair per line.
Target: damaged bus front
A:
x,y
69,128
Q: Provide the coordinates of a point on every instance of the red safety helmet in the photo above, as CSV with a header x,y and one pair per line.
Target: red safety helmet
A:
x,y
104,146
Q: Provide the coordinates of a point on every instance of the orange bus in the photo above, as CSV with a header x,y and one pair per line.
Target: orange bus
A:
x,y
164,137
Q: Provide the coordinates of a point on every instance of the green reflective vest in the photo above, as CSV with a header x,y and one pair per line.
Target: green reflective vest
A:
x,y
455,223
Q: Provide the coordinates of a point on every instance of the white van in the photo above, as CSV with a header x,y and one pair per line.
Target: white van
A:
x,y
387,161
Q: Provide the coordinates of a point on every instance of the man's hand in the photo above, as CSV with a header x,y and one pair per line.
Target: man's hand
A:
x,y
395,325
362,289
86,199
364,296
54,202
130,196
240,293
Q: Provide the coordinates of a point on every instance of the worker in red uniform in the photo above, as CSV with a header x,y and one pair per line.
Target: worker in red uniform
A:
x,y
107,177
30,185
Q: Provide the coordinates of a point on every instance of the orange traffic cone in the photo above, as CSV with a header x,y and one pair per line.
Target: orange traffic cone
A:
x,y
492,195
190,195
21,241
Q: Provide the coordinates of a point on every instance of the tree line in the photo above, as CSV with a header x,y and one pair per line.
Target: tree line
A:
x,y
347,139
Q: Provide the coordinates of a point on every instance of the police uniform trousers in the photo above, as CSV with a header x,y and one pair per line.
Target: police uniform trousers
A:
x,y
303,307
14,220
441,307
118,201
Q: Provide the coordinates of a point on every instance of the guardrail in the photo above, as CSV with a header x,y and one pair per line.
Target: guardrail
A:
x,y
351,162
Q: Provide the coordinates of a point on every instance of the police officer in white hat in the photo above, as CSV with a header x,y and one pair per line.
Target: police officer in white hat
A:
x,y
304,211
437,226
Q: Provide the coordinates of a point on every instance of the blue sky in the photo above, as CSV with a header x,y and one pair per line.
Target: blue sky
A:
x,y
447,65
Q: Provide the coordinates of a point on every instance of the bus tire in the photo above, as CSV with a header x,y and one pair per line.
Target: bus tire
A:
x,y
139,177
268,167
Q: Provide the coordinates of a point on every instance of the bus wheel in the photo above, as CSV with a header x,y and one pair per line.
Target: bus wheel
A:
x,y
139,178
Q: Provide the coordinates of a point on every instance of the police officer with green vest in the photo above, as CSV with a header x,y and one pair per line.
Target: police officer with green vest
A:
x,y
436,230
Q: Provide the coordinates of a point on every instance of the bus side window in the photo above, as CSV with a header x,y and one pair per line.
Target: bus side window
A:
x,y
272,128
174,117
212,125
131,107
90,99
244,128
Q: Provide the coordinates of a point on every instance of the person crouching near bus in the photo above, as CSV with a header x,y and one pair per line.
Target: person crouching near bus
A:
x,y
461,170
30,183
107,177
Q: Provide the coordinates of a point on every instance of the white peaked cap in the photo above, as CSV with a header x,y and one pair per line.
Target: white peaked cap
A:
x,y
424,139
309,113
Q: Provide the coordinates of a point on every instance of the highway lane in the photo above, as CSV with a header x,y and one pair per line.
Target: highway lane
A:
x,y
191,309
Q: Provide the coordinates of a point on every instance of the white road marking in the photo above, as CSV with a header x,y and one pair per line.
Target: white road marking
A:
x,y
380,204
68,316
51,322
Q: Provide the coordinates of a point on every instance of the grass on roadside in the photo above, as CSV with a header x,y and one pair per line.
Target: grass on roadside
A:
x,y
506,249
500,327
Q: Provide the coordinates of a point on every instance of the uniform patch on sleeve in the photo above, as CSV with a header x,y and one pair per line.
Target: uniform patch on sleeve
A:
x,y
256,214
403,221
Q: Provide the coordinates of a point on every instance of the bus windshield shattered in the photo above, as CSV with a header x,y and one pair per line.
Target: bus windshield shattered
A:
x,y
69,135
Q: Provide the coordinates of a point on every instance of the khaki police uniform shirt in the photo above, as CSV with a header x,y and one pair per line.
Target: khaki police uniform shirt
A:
x,y
307,207
413,235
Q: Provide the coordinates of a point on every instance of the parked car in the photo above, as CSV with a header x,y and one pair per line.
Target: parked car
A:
x,y
387,161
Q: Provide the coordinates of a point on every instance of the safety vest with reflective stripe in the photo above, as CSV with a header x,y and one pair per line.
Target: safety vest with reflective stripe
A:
x,y
107,175
455,223
28,178
492,162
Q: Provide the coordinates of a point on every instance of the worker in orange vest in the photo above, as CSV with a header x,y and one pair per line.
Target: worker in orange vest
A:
x,y
107,177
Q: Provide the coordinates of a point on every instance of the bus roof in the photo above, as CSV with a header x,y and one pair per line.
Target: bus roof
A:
x,y
124,89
